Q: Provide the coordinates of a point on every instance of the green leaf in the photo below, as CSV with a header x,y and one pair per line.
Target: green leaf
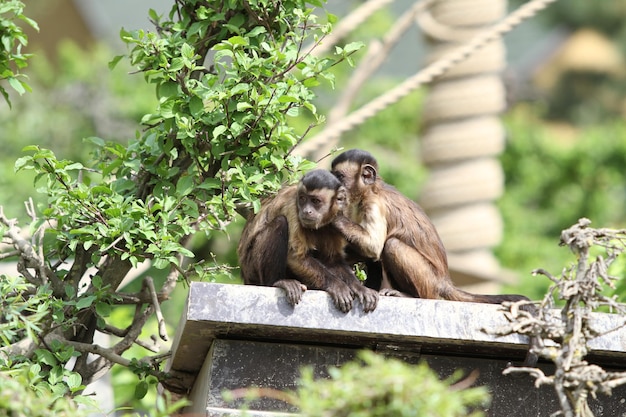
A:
x,y
85,302
185,185
114,61
160,263
22,163
242,106
240,88
103,309
74,381
70,291
17,85
238,40
153,15
187,51
219,130
167,89
141,389
353,47
75,165
196,106
47,357
288,99
33,372
257,31
95,140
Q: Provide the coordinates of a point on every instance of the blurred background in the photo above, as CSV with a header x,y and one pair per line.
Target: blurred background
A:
x,y
559,151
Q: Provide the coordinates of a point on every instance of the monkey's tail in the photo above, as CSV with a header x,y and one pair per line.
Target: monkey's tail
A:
x,y
454,294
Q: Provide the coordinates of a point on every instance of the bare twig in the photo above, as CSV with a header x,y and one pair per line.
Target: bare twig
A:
x,y
157,308
566,335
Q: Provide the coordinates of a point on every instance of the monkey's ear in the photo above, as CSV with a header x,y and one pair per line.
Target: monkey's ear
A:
x,y
368,173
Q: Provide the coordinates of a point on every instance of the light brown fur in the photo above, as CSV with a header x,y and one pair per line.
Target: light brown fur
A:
x,y
387,226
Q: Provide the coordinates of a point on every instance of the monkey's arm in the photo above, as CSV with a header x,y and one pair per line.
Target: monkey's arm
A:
x,y
369,236
315,275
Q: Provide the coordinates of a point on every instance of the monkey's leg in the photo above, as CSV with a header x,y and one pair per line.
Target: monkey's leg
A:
x,y
409,271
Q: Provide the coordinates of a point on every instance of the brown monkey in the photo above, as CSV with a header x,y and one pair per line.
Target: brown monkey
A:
x,y
386,226
400,241
291,244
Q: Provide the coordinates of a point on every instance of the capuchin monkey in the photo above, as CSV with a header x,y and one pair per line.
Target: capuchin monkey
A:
x,y
291,244
395,235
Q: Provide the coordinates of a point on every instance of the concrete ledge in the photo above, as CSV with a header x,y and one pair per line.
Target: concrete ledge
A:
x,y
235,336
226,311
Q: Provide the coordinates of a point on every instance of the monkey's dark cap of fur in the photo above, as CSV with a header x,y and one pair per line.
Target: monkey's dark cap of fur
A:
x,y
355,155
319,179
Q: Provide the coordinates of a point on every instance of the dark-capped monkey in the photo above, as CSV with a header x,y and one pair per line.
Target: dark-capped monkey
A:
x,y
291,244
384,225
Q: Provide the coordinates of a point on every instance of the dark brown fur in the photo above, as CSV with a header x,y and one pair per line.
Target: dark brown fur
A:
x,y
290,244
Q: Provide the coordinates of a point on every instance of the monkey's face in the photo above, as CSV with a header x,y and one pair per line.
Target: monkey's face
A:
x,y
356,178
316,208
348,173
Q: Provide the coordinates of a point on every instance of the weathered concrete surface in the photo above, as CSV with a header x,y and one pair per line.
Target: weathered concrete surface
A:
x,y
261,313
243,336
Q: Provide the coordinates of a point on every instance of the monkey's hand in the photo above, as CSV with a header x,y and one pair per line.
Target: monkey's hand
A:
x,y
341,294
293,289
342,200
367,296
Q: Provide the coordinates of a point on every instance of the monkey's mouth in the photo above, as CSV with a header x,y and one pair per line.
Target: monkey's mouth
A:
x,y
309,223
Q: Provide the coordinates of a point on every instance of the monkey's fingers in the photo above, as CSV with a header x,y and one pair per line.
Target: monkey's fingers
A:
x,y
369,299
389,292
293,289
342,297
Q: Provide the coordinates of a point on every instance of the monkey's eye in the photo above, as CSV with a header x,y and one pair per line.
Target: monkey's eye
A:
x,y
339,175
316,201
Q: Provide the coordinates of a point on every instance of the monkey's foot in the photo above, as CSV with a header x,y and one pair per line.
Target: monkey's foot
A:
x,y
390,292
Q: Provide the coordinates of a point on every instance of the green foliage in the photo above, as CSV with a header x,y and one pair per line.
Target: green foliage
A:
x,y
78,97
551,181
23,316
21,395
376,386
12,38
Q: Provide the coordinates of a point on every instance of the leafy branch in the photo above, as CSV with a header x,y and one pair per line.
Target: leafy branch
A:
x,y
13,39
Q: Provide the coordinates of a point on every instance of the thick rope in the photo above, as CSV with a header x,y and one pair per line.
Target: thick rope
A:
x,y
347,25
430,72
375,56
